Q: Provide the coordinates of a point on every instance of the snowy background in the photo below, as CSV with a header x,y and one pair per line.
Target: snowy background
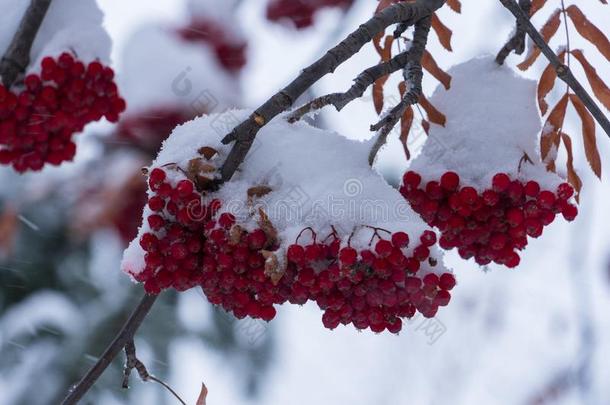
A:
x,y
539,334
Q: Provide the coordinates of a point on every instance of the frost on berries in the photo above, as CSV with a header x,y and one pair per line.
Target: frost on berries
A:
x,y
479,181
249,252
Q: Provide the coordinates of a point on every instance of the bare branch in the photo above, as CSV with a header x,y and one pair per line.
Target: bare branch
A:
x,y
563,71
413,76
17,56
517,42
362,82
244,134
120,341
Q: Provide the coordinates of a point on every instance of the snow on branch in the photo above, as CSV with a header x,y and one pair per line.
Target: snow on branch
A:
x,y
17,56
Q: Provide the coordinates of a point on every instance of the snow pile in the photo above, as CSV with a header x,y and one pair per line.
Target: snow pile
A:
x,y
317,179
70,25
492,123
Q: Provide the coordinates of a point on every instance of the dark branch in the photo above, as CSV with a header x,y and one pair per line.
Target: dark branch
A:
x,y
120,341
243,135
413,77
362,82
563,71
17,56
517,42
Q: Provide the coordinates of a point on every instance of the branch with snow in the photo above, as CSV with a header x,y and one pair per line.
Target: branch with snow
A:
x,y
244,134
17,56
563,71
517,42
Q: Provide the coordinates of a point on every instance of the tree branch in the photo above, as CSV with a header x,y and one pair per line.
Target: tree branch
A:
x,y
17,56
413,77
362,82
517,42
563,71
244,134
124,336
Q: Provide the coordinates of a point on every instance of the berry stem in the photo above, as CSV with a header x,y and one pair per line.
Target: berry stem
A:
x,y
17,56
124,336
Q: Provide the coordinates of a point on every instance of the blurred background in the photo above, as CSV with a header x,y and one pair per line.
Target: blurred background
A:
x,y
539,334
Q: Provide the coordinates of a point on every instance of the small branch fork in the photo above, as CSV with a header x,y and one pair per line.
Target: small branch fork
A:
x,y
17,56
413,74
132,362
244,134
122,340
563,71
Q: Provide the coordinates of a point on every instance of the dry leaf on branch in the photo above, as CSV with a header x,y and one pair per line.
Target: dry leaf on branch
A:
x,y
551,139
202,395
600,89
549,29
573,177
432,67
588,135
442,31
589,31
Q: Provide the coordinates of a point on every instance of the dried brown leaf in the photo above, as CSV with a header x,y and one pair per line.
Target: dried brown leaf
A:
x,y
406,122
272,267
545,85
600,89
549,29
573,177
432,67
536,6
455,5
588,135
434,115
258,191
207,152
589,31
442,31
202,395
550,136
267,226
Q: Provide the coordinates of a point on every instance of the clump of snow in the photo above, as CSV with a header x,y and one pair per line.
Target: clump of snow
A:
x,y
177,74
492,123
69,25
318,178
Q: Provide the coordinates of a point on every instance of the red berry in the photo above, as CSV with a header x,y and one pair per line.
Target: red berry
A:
x,y
411,179
532,189
400,239
450,181
446,281
500,182
348,256
565,191
383,248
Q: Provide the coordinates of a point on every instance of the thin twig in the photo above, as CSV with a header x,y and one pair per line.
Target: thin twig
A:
x,y
362,82
132,362
17,56
517,42
413,77
563,71
123,337
244,134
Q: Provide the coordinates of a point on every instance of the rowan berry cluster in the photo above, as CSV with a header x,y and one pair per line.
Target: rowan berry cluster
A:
x,y
300,12
37,125
492,225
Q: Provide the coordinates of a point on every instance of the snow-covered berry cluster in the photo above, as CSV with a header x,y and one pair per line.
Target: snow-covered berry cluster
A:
x,y
492,225
300,12
37,125
191,242
230,49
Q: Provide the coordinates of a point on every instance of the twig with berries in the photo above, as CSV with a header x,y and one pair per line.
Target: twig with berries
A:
x,y
563,71
517,42
244,134
413,74
120,341
17,56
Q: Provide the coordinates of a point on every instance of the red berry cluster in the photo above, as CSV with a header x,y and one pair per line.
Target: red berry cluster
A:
x,y
189,244
230,51
490,226
370,288
37,125
300,12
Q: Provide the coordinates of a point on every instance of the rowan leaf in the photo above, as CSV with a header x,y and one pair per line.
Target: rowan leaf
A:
x,y
600,89
442,31
589,31
588,135
546,84
434,115
551,132
455,5
202,395
536,6
573,177
406,122
549,29
432,67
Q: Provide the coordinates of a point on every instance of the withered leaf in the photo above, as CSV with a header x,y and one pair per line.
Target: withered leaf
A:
x,y
432,67
549,29
207,152
600,89
434,115
267,226
202,395
588,135
455,5
589,31
573,177
258,191
272,267
550,134
536,6
442,31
